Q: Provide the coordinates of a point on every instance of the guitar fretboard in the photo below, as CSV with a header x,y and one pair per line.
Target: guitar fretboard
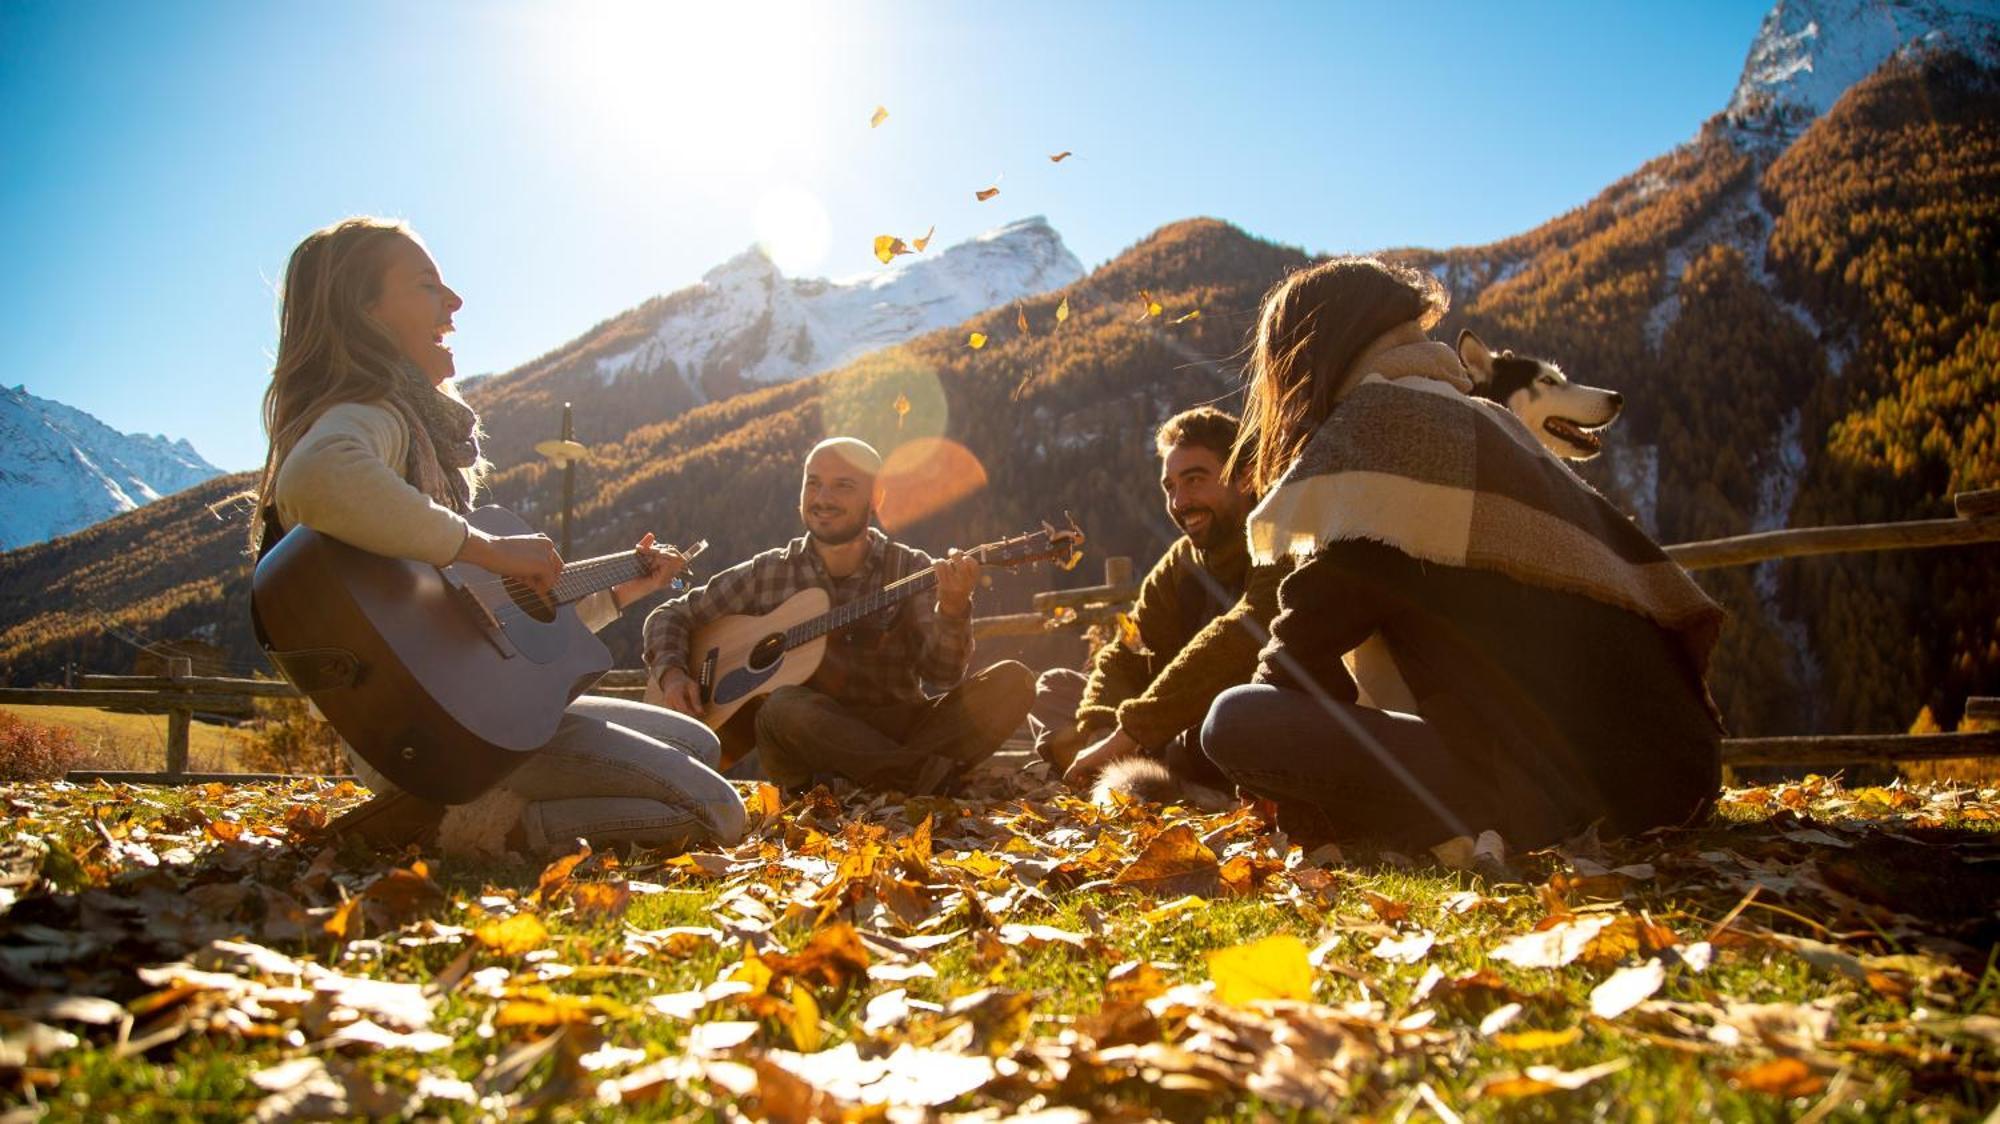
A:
x,y
581,579
902,589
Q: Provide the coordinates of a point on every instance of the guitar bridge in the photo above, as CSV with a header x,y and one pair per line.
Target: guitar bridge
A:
x,y
705,679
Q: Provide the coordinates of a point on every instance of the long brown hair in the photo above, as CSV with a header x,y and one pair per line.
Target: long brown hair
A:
x,y
330,350
1311,328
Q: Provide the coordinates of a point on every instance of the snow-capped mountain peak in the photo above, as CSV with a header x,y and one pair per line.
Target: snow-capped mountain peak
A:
x,y
62,470
748,323
1808,52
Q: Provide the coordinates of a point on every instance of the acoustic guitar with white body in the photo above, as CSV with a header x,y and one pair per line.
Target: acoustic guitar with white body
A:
x,y
737,658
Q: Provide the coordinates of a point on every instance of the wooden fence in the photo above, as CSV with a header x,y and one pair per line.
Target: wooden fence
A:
x,y
180,695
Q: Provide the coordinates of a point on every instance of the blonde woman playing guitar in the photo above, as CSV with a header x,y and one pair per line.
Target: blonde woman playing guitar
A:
x,y
864,713
372,448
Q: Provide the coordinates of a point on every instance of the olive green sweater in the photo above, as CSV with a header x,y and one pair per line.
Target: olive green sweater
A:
x,y
1202,617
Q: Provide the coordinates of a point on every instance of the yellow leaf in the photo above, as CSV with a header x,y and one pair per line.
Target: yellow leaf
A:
x,y
880,115
1128,633
888,246
924,243
601,899
1152,307
1538,1039
1172,908
1021,319
520,933
804,1020
1273,968
766,800
1193,315
902,407
976,340
985,193
1060,157
555,877
754,972
1062,310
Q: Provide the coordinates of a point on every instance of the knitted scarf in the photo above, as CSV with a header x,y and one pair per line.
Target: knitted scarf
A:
x,y
444,439
1462,482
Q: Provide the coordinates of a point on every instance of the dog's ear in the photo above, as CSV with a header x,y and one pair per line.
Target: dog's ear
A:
x,y
1477,357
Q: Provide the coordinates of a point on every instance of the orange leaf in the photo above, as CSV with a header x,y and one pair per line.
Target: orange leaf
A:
x,y
346,922
555,876
986,193
1387,909
922,244
1060,157
976,340
1021,319
1174,862
1780,1077
833,956
902,407
880,115
766,800
601,899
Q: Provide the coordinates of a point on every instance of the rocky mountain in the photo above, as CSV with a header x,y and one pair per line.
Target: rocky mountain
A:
x,y
62,470
746,325
1804,322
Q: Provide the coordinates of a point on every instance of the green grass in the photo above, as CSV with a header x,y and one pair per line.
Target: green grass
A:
x,y
1917,882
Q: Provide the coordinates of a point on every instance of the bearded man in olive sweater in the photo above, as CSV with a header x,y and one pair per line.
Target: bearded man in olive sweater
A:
x,y
1203,612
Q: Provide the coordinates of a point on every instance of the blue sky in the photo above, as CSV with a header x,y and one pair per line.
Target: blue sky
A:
x,y
158,161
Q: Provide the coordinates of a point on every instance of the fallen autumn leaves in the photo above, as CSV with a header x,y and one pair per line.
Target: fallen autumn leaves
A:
x,y
1017,953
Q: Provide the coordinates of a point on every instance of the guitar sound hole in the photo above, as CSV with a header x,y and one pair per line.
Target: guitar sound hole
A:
x,y
767,653
528,601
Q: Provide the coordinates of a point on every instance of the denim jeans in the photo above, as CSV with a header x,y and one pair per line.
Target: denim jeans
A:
x,y
1059,692
1339,771
624,772
802,733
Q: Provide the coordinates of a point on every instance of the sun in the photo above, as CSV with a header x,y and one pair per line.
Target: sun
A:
x,y
675,89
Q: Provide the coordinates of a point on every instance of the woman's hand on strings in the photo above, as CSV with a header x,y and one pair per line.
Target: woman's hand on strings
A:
x,y
529,558
660,566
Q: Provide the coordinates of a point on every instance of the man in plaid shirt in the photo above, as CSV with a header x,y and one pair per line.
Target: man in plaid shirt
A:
x,y
864,715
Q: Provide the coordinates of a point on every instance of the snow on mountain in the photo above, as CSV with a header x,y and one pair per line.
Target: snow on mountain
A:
x,y
62,470
747,320
1808,52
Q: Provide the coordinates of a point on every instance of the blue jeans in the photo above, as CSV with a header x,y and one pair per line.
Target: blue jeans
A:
x,y
625,772
1339,771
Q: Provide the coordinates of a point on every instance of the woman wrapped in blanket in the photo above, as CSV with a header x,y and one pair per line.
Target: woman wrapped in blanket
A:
x,y
1555,654
370,444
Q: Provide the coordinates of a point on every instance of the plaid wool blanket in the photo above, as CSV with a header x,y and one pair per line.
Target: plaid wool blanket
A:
x,y
1459,481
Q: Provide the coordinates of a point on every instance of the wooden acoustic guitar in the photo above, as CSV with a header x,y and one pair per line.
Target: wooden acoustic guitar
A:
x,y
446,678
737,658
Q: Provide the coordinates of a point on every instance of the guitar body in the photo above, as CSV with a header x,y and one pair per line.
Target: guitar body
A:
x,y
736,658
456,682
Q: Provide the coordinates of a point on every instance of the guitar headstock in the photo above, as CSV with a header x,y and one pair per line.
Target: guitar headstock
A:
x,y
1060,545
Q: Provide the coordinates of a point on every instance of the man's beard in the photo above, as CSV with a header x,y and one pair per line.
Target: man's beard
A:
x,y
841,537
1210,534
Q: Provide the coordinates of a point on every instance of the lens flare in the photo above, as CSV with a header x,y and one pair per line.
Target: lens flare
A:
x,y
926,477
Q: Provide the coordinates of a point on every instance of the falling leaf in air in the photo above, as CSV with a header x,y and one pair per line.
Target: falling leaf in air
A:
x,y
1272,968
1062,310
1152,307
1194,314
976,340
985,193
924,243
888,246
1021,319
880,115
1060,157
902,408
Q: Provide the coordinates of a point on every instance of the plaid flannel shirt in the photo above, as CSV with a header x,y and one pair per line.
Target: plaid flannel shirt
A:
x,y
882,659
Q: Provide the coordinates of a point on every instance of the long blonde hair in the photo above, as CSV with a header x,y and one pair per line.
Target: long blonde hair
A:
x,y
1311,328
330,349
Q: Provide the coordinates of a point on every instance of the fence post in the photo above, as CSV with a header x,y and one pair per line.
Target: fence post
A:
x,y
178,719
1117,570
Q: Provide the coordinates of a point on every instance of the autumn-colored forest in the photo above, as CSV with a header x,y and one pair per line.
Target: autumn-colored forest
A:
x,y
1840,296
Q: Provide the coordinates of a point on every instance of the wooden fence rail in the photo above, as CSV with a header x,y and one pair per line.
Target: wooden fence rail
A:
x,y
179,695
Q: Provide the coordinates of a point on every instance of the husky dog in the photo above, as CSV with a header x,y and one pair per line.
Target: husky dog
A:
x,y
1564,415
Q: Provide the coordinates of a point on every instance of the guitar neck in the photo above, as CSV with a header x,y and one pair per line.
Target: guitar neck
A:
x,y
894,593
593,575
